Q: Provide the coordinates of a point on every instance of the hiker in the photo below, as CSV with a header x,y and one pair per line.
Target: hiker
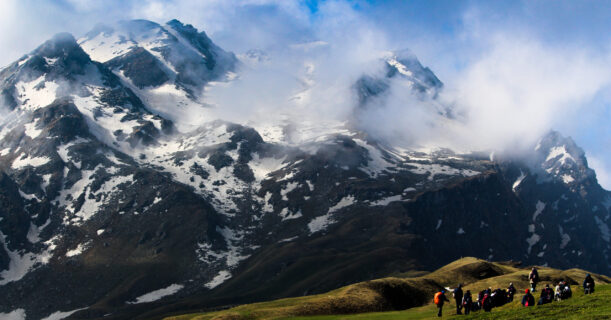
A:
x,y
480,297
558,291
477,305
533,276
457,294
499,297
511,290
563,291
547,295
588,284
439,299
528,300
566,292
467,302
487,301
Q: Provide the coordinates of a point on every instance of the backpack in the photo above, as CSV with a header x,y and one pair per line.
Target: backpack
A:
x,y
486,303
437,298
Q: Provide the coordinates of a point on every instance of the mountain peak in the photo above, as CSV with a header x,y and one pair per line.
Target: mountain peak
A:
x,y
406,63
59,45
175,23
186,28
562,158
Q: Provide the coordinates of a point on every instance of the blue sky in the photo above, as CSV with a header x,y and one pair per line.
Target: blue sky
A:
x,y
552,56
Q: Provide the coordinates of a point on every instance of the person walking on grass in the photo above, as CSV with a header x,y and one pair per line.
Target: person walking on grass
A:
x,y
457,294
439,299
528,300
533,276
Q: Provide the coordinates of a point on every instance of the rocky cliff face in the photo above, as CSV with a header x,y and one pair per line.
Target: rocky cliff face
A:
x,y
109,207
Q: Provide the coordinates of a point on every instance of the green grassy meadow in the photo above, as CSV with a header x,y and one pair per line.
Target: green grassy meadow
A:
x,y
411,297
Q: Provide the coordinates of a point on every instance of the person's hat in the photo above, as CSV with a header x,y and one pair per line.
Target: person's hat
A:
x,y
526,291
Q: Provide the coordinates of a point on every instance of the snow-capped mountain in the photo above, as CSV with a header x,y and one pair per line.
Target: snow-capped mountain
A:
x,y
118,204
167,66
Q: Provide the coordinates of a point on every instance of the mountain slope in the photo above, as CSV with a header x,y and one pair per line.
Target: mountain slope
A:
x,y
105,183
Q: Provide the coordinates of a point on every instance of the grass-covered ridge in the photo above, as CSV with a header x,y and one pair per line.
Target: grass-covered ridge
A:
x,y
411,298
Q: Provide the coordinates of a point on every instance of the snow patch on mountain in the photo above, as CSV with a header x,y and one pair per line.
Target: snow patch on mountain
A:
x,y
93,200
322,222
289,187
344,202
63,150
78,250
532,240
232,238
106,46
18,314
434,169
567,178
31,131
103,122
29,161
540,206
287,214
221,277
158,294
34,231
386,201
262,167
565,238
37,93
20,263
604,229
518,181
28,196
559,154
377,163
58,315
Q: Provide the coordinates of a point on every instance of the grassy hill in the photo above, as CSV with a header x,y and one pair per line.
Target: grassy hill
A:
x,y
411,297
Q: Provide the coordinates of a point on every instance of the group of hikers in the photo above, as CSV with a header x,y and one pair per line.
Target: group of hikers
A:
x,y
488,298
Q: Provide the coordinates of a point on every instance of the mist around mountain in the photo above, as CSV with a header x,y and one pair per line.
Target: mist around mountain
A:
x,y
145,170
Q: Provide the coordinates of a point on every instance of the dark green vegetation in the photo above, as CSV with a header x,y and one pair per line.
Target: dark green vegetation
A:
x,y
411,298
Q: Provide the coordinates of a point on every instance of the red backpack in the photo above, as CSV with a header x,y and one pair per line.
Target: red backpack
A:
x,y
437,298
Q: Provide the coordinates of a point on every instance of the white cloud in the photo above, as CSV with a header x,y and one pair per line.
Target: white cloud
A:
x,y
521,88
603,170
